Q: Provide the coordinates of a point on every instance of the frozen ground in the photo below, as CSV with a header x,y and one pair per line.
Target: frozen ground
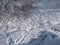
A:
x,y
34,22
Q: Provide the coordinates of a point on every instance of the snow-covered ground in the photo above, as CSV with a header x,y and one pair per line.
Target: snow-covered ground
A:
x,y
35,22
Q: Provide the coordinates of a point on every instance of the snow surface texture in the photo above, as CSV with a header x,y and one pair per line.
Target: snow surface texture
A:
x,y
29,22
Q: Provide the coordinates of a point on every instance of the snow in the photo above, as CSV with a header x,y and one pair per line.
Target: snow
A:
x,y
36,23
